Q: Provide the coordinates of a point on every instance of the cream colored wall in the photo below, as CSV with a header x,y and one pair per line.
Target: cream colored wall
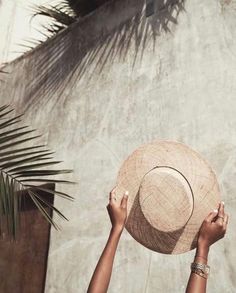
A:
x,y
126,89
16,26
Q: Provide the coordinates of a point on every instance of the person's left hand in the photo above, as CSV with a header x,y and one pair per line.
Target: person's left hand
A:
x,y
213,227
117,211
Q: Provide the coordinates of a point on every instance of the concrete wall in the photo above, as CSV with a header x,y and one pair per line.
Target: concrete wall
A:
x,y
110,83
17,28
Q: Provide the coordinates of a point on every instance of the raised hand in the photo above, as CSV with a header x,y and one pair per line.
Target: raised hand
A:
x,y
117,211
213,227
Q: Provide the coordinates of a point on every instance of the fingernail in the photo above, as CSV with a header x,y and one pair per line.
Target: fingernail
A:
x,y
127,193
215,211
223,203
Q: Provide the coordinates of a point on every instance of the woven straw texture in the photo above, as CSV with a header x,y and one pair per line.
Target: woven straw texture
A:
x,y
171,190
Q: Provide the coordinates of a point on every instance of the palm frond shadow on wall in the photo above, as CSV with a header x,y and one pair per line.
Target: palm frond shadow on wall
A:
x,y
2,74
24,171
67,55
59,16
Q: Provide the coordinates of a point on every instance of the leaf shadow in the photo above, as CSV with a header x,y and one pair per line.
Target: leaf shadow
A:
x,y
66,57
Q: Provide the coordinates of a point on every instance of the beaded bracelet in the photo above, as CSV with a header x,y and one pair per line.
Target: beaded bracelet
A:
x,y
199,272
201,269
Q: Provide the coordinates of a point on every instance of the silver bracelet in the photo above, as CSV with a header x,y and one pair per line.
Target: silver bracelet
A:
x,y
203,269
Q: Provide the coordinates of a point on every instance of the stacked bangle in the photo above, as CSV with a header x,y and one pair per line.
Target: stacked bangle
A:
x,y
202,270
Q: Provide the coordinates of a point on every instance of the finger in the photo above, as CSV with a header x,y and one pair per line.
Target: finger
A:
x,y
226,220
124,200
108,209
113,189
211,216
112,192
221,211
112,197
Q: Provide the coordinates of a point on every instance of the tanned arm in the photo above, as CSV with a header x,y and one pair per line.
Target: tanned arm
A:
x,y
213,228
102,274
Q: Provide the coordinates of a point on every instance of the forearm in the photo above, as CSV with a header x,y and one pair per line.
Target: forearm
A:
x,y
102,274
196,283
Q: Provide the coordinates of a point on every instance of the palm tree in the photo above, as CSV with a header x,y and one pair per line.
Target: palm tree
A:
x,y
22,168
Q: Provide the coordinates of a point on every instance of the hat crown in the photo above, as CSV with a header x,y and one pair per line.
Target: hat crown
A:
x,y
171,190
166,199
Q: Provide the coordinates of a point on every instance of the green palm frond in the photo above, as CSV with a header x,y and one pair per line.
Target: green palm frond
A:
x,y
24,169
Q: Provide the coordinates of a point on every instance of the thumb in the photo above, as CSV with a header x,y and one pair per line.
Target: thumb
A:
x,y
124,200
211,216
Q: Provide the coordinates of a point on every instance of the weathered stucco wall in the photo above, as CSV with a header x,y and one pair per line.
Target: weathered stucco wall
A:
x,y
105,86
18,29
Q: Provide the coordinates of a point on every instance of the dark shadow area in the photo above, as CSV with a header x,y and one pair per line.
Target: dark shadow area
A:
x,y
28,205
83,7
150,237
194,242
23,264
65,58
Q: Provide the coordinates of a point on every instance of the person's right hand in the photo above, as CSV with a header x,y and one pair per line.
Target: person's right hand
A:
x,y
117,210
213,227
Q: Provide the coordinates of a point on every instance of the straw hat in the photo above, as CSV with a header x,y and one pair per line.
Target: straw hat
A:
x,y
171,190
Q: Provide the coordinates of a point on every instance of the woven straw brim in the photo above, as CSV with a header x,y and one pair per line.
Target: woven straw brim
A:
x,y
202,183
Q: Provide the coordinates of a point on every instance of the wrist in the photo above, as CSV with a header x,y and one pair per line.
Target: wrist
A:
x,y
203,246
202,251
117,229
